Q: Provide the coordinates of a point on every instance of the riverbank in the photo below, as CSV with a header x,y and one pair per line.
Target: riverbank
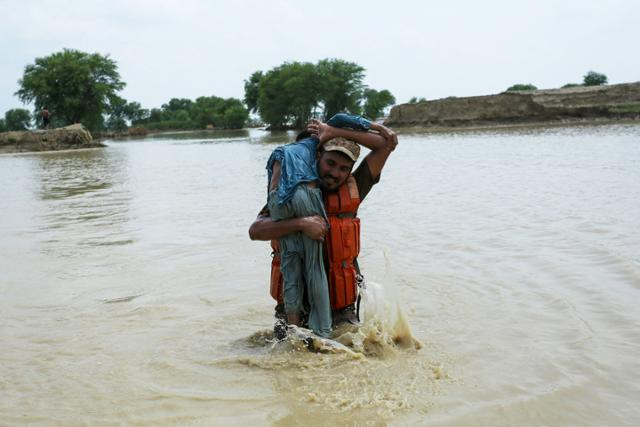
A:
x,y
506,127
569,106
66,138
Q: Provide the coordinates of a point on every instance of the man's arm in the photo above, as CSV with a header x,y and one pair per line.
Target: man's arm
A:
x,y
381,144
264,228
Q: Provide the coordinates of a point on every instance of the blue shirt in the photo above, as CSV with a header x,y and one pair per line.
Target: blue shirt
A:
x,y
298,159
297,165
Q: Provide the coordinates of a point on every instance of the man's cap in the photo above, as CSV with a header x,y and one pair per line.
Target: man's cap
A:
x,y
349,148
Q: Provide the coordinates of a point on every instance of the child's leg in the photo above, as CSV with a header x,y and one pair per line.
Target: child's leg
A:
x,y
291,261
308,201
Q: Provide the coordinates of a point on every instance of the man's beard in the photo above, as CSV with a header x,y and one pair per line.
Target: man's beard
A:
x,y
328,183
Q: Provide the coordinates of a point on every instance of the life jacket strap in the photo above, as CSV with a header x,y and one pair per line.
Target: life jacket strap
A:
x,y
361,285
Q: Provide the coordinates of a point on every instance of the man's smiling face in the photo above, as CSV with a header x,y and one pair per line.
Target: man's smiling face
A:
x,y
333,169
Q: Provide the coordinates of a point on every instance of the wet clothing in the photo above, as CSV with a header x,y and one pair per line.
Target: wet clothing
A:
x,y
301,259
349,121
363,178
298,159
365,181
297,165
302,262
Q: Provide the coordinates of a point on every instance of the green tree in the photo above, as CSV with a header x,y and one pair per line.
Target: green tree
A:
x,y
182,113
252,91
134,112
3,126
123,113
521,86
341,87
117,120
288,94
155,115
593,78
17,119
415,100
570,85
77,87
376,101
204,111
177,104
233,114
227,113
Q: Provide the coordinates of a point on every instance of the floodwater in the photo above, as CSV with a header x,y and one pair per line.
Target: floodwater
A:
x,y
132,295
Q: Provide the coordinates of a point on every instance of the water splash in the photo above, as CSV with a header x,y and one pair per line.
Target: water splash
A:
x,y
384,330
366,371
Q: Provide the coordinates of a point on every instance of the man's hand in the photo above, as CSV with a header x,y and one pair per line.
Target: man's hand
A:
x,y
314,226
322,130
388,134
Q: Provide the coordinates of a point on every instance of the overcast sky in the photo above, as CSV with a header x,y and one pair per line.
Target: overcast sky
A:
x,y
434,49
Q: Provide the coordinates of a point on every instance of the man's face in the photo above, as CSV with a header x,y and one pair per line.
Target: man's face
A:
x,y
333,169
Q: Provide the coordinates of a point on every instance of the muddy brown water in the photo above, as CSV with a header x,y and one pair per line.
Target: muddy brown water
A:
x,y
132,295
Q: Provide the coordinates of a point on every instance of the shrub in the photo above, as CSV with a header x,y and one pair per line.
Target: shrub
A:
x,y
593,78
521,86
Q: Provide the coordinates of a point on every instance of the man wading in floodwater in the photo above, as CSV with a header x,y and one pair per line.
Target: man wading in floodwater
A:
x,y
342,191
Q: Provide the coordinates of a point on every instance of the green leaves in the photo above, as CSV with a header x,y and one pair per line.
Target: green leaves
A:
x,y
593,78
415,100
287,94
521,86
252,91
341,87
16,119
182,113
77,87
375,102
290,94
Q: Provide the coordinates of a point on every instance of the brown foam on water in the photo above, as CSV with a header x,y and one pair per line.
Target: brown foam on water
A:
x,y
375,369
357,387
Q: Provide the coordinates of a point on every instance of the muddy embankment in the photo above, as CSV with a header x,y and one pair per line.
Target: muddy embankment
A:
x,y
576,104
66,138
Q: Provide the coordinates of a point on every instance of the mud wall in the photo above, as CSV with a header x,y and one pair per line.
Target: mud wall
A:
x,y
69,137
613,101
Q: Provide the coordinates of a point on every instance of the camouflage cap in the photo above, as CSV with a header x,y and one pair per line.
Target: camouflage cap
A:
x,y
349,148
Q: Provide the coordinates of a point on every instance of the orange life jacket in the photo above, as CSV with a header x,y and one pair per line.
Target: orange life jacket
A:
x,y
342,246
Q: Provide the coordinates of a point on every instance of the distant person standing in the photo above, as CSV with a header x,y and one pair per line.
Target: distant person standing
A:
x,y
45,117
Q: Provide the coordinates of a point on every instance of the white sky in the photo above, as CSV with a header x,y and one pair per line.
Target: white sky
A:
x,y
435,49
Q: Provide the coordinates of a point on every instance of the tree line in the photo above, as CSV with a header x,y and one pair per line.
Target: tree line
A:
x,y
592,78
78,87
292,93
